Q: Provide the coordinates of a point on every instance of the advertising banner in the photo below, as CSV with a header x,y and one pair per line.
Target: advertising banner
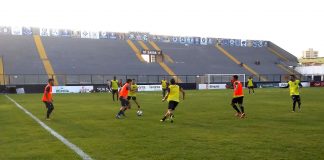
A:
x,y
140,88
283,84
72,89
307,84
211,86
149,88
101,88
317,84
304,84
267,85
20,90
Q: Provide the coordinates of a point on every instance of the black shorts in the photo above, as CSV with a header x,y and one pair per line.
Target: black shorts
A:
x,y
49,105
238,100
114,91
131,97
124,102
164,91
173,105
295,97
250,87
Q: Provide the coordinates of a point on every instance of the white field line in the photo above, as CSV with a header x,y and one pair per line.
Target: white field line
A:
x,y
72,146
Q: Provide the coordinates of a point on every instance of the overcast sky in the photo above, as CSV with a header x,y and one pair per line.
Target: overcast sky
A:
x,y
294,25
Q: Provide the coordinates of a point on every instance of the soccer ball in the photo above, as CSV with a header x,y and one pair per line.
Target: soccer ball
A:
x,y
139,113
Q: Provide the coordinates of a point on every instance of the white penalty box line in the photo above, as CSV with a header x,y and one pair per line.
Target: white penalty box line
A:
x,y
70,145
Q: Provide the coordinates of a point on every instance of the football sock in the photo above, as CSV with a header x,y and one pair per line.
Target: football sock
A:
x,y
120,112
294,105
235,107
49,111
242,109
299,103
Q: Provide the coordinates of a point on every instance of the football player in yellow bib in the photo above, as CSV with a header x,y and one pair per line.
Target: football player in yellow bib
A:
x,y
294,85
114,88
164,84
250,85
132,94
173,97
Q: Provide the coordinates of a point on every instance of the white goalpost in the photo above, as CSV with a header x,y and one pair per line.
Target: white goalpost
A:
x,y
223,78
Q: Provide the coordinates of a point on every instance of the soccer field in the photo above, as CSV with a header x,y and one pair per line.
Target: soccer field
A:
x,y
204,127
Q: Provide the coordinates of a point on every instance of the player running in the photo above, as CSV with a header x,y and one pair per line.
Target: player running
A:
x,y
294,85
238,96
164,87
123,94
132,94
173,97
250,84
114,88
48,98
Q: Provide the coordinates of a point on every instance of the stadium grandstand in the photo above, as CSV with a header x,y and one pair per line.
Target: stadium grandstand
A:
x,y
31,55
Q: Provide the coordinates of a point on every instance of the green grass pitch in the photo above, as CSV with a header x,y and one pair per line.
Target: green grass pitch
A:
x,y
204,128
